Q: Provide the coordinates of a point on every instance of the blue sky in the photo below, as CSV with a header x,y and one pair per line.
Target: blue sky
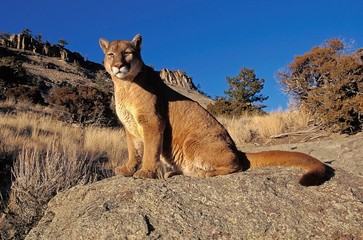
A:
x,y
208,39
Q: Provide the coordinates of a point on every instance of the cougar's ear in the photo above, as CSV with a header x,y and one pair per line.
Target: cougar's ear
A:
x,y
104,44
137,40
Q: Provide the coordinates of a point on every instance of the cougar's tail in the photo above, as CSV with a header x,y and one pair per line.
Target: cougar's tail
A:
x,y
316,171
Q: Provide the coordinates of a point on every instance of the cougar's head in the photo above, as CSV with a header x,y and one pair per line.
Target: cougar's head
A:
x,y
122,58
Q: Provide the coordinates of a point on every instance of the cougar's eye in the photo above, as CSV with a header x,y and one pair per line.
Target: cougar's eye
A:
x,y
110,55
127,53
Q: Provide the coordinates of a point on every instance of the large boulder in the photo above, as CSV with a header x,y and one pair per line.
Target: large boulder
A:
x,y
257,204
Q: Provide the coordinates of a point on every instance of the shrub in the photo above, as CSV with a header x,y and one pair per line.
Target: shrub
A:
x,y
12,71
83,104
328,83
39,175
25,94
6,160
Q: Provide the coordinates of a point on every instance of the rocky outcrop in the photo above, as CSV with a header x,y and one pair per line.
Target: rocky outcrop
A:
x,y
359,53
26,42
182,83
265,203
177,78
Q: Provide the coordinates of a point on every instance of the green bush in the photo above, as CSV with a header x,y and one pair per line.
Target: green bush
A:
x,y
243,94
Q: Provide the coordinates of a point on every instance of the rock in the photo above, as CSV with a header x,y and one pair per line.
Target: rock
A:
x,y
71,57
182,83
5,43
65,56
359,53
178,78
50,50
257,204
23,42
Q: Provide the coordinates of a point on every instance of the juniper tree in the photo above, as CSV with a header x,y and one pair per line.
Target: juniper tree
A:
x,y
243,95
62,42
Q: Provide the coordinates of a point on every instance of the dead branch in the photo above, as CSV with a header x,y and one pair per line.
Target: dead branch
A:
x,y
282,135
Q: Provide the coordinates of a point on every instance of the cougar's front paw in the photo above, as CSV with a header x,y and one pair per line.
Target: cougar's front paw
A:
x,y
142,173
124,171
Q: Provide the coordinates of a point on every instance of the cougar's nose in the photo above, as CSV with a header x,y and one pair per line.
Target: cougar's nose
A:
x,y
118,65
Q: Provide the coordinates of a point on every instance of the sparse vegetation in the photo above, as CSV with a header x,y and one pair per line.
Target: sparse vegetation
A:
x,y
47,156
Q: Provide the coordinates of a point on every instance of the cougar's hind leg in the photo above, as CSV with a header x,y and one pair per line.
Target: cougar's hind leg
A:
x,y
225,163
222,171
213,159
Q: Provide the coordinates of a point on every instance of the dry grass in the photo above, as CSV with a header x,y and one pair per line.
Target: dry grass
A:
x,y
47,156
31,129
259,129
39,175
111,142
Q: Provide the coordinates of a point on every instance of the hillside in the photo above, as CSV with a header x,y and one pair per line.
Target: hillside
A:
x,y
43,73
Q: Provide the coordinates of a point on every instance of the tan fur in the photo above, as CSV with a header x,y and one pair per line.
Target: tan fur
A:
x,y
162,124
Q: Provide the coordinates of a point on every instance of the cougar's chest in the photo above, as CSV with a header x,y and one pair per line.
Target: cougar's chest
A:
x,y
127,114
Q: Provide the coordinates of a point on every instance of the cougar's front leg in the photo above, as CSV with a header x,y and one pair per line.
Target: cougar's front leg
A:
x,y
153,130
134,155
